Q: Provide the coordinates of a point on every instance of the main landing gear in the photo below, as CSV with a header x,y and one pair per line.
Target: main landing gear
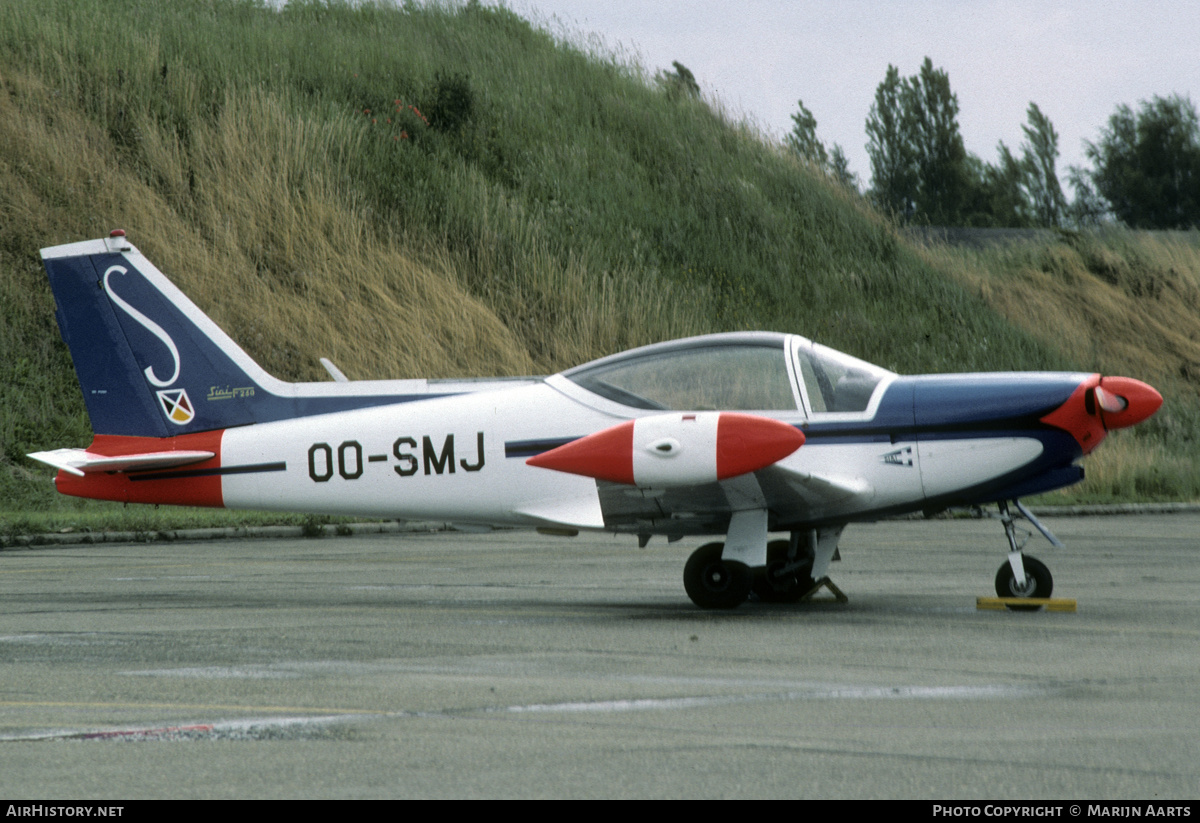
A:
x,y
714,579
713,582
1022,575
787,577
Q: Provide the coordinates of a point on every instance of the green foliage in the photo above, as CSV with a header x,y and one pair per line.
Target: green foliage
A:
x,y
314,525
1039,157
1018,193
680,84
452,103
917,155
922,173
802,139
894,175
938,144
839,168
1001,194
1147,165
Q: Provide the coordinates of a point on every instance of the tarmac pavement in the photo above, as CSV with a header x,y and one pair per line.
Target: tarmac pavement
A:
x,y
517,665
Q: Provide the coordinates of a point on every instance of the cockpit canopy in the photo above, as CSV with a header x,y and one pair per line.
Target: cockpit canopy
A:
x,y
753,371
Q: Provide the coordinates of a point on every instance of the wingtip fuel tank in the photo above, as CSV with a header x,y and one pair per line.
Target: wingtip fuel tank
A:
x,y
676,449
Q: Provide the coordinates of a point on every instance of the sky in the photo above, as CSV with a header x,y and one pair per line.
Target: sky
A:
x,y
1077,60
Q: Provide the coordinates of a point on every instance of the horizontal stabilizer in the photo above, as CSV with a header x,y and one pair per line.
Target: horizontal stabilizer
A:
x,y
580,512
334,371
80,461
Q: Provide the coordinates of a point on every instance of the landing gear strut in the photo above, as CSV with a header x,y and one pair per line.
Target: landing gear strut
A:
x,y
722,575
784,579
1022,575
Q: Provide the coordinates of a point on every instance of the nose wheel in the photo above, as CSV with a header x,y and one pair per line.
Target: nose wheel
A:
x,y
1037,582
1023,576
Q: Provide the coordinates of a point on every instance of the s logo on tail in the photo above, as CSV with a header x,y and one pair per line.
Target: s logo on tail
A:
x,y
122,318
150,326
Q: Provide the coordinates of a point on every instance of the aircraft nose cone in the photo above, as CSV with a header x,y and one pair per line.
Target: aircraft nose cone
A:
x,y
1138,401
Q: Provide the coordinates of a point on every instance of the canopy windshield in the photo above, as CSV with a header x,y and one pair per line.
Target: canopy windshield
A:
x,y
836,382
746,372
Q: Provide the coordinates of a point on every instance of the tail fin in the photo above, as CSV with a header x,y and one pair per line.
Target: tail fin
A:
x,y
151,364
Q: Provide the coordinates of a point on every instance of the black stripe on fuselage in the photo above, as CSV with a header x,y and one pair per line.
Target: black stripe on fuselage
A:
x,y
530,448
256,468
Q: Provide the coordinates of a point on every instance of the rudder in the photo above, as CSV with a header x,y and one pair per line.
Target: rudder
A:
x,y
149,362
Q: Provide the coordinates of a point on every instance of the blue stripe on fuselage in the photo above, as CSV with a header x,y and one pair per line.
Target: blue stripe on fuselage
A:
x,y
1008,400
935,407
975,406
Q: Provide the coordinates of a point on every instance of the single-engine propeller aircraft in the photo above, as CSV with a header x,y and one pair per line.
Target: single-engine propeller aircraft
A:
x,y
731,435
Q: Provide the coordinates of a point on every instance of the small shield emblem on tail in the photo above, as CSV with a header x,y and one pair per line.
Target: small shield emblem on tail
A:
x,y
177,406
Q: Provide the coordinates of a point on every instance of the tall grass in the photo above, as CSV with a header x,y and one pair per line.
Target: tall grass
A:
x,y
433,190
559,156
1119,302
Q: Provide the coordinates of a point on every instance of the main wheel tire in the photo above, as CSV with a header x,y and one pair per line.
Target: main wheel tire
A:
x,y
713,582
772,587
1038,582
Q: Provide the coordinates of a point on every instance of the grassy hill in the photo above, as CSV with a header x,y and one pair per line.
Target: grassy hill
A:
x,y
447,191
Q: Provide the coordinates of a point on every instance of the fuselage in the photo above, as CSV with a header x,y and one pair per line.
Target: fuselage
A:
x,y
889,444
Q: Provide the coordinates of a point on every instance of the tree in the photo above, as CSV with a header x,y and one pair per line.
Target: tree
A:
x,y
802,139
681,83
940,155
1088,209
1147,166
1002,200
919,166
1024,192
921,169
1039,154
839,168
890,147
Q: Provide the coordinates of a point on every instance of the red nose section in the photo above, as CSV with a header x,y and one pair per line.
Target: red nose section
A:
x,y
1141,401
1101,404
605,455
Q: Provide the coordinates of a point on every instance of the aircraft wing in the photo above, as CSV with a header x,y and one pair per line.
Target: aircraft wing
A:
x,y
80,461
829,488
691,472
579,512
794,496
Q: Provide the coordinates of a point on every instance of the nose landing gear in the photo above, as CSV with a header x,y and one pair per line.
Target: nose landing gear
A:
x,y
1023,576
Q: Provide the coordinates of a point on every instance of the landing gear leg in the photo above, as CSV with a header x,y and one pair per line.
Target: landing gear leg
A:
x,y
1023,575
787,577
796,567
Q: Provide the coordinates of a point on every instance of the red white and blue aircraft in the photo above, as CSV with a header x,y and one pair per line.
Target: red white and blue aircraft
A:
x,y
730,435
